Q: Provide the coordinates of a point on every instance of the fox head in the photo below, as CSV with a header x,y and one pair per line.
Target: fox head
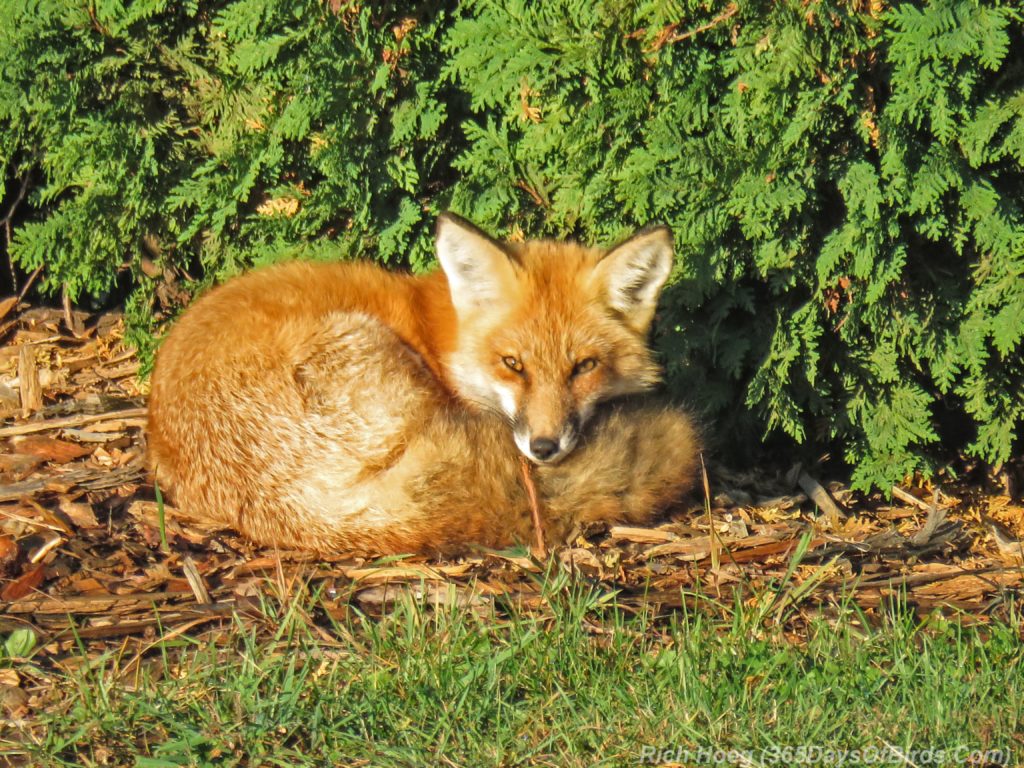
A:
x,y
546,331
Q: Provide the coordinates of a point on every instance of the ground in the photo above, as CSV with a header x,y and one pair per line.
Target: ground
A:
x,y
88,569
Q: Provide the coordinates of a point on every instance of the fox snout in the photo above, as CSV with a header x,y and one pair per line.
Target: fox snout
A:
x,y
547,445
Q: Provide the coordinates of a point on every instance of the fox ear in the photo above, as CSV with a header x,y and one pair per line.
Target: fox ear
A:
x,y
634,272
478,268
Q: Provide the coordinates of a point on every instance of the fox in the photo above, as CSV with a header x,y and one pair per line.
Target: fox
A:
x,y
340,406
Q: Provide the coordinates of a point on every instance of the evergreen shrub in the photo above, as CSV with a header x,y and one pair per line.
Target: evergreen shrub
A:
x,y
844,177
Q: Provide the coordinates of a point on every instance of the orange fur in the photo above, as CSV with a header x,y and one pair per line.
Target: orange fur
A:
x,y
341,406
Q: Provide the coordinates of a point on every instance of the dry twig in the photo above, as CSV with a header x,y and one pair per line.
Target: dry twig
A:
x,y
819,496
71,421
531,491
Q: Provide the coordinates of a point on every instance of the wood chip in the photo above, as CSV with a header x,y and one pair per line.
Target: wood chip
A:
x,y
580,557
6,305
687,549
743,555
91,436
119,372
522,563
641,535
52,541
908,498
28,380
78,513
936,515
430,593
86,477
195,580
117,425
1007,544
90,604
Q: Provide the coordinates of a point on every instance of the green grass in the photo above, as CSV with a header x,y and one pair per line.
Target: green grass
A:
x,y
582,683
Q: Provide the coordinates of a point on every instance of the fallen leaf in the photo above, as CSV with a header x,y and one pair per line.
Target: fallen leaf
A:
x,y
50,448
24,584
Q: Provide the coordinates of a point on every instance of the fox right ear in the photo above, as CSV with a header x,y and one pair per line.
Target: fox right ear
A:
x,y
634,273
478,268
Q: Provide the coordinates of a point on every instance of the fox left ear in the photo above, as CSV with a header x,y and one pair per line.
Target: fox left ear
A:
x,y
478,268
634,272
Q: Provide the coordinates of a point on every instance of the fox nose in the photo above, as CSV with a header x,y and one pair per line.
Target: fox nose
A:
x,y
543,447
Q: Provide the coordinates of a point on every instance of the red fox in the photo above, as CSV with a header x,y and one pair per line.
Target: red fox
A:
x,y
340,407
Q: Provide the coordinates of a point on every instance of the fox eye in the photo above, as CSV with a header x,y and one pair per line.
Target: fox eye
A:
x,y
512,363
584,365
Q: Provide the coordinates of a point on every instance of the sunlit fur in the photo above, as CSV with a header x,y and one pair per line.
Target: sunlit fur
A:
x,y
340,407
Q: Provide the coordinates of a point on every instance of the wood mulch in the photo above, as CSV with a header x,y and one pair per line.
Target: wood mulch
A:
x,y
83,566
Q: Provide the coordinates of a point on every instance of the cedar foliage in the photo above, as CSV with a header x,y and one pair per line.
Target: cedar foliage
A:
x,y
844,177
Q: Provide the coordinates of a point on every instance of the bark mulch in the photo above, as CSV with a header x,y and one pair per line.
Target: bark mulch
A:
x,y
83,564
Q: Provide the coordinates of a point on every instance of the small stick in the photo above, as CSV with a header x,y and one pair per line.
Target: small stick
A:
x,y
76,328
195,580
531,491
820,496
28,283
71,421
730,11
907,498
7,229
52,542
716,542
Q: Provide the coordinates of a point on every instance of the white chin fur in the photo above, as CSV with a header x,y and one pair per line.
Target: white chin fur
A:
x,y
565,445
523,444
